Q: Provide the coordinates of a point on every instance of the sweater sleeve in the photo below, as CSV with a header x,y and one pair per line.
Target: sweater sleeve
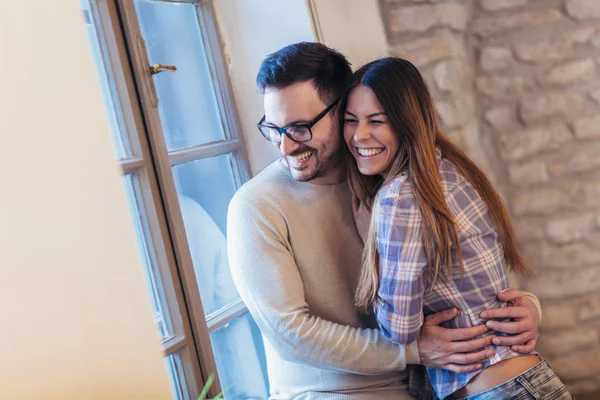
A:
x,y
536,303
269,282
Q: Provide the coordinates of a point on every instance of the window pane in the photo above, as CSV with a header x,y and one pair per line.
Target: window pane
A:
x,y
181,382
188,105
205,188
119,138
240,357
163,326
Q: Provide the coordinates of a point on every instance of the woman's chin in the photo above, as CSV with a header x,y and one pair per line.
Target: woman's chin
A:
x,y
365,170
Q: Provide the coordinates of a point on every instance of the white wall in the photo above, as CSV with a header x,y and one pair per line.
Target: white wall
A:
x,y
76,321
252,29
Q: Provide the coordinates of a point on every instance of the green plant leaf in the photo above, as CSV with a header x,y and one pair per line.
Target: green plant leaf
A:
x,y
209,383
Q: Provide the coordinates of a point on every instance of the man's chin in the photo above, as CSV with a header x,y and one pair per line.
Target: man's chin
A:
x,y
303,175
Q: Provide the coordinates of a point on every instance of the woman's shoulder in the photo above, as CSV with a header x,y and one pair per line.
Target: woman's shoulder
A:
x,y
396,193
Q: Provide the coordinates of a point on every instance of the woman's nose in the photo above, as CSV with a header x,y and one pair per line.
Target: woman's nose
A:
x,y
361,133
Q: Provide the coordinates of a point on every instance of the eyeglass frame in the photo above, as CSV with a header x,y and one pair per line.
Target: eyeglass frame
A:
x,y
308,125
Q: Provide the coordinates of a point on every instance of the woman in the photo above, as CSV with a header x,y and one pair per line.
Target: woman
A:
x,y
440,236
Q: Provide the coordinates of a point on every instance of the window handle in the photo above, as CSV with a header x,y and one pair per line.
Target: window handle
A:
x,y
158,68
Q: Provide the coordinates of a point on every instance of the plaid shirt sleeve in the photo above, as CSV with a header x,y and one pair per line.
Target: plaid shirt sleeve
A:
x,y
402,264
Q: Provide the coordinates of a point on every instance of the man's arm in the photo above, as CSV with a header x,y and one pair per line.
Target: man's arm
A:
x,y
268,280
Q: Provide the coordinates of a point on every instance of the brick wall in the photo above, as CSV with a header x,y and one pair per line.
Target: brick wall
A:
x,y
517,85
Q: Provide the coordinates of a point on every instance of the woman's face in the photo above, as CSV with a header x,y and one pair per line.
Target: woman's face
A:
x,y
368,133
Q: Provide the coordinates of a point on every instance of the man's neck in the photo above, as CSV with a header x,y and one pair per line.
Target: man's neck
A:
x,y
334,176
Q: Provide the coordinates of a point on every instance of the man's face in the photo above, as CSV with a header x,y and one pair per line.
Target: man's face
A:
x,y
318,160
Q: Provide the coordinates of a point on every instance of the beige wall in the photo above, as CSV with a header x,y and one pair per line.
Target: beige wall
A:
x,y
517,85
76,316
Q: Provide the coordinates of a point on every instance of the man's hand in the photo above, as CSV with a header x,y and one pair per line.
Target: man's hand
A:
x,y
451,348
524,325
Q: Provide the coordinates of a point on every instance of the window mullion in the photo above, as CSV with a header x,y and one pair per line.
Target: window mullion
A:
x,y
220,318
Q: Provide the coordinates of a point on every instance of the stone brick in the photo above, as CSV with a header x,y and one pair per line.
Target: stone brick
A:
x,y
528,229
577,366
587,127
429,49
467,137
590,308
571,228
451,76
495,58
582,9
495,5
591,193
561,284
569,256
428,1
542,107
532,18
580,159
528,173
523,144
503,87
455,112
544,201
557,47
596,41
567,341
584,386
559,314
570,73
424,17
457,136
595,95
502,119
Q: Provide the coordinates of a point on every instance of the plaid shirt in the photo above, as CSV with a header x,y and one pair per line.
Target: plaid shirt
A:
x,y
406,293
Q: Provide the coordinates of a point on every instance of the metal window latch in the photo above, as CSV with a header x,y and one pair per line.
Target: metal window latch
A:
x,y
158,68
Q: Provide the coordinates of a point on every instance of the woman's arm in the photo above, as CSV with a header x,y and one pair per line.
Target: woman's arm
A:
x,y
402,265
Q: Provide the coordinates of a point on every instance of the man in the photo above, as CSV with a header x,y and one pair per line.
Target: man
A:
x,y
295,253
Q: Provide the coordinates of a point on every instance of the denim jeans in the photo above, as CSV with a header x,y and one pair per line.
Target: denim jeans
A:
x,y
538,382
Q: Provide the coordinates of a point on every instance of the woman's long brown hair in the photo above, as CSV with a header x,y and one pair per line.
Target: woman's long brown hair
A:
x,y
405,98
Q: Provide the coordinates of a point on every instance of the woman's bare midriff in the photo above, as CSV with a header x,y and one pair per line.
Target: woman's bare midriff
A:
x,y
497,374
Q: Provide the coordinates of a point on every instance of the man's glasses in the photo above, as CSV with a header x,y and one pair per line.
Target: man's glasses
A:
x,y
298,133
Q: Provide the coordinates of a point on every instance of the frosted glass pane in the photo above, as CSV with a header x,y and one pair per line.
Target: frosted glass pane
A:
x,y
240,357
187,103
205,188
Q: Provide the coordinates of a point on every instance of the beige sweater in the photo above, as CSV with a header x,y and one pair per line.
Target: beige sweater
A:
x,y
294,253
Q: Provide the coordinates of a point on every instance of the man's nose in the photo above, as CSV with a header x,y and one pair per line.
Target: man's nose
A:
x,y
287,145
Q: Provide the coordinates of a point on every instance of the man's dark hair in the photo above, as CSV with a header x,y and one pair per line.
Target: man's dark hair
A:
x,y
328,69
